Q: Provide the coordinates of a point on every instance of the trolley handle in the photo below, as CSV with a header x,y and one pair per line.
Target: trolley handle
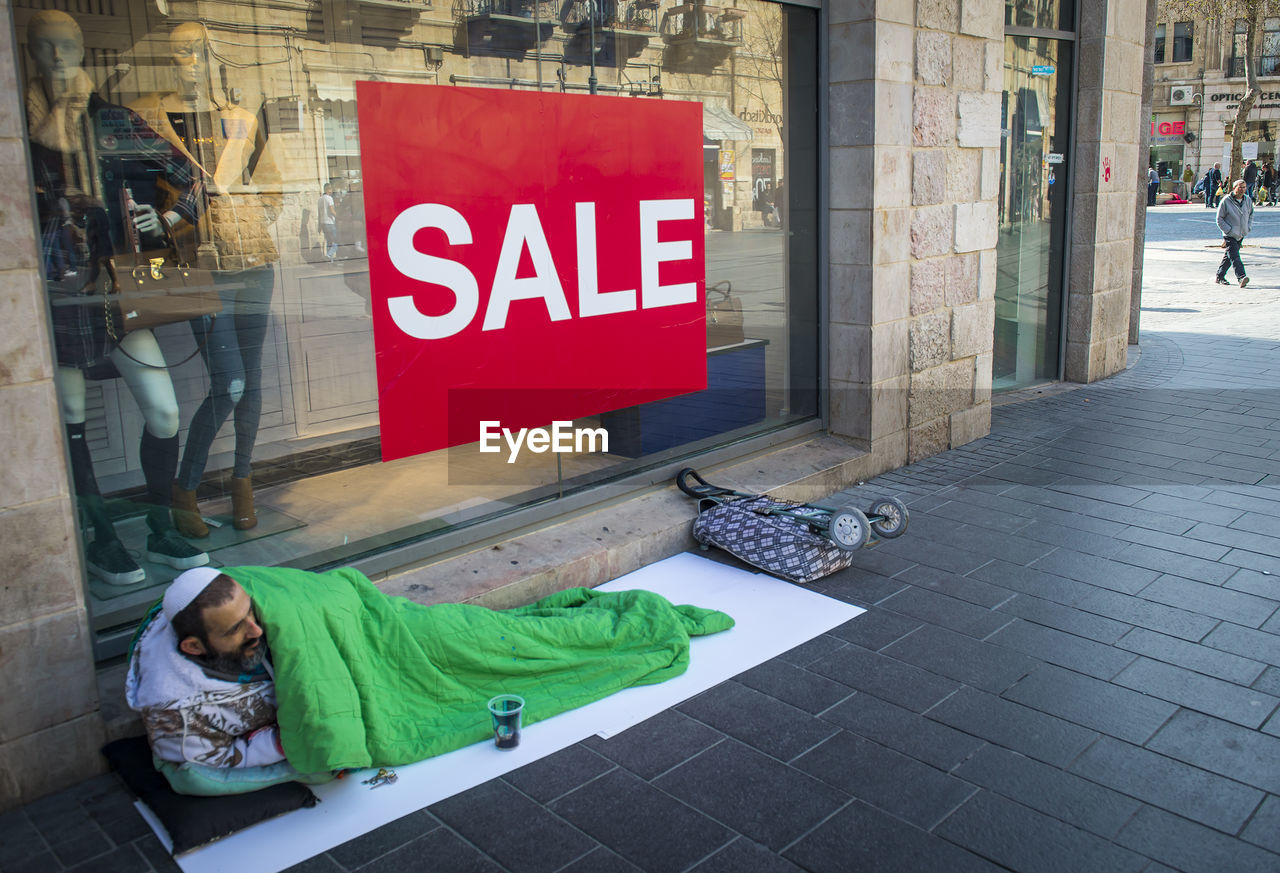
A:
x,y
702,489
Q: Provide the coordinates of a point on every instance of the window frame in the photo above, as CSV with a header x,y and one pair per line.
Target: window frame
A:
x,y
1186,42
1160,39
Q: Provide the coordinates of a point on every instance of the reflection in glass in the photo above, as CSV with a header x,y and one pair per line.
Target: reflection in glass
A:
x,y
1033,190
240,130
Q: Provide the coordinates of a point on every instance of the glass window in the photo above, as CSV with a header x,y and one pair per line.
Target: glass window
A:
x,y
216,166
1160,43
1050,14
1269,63
1182,39
1239,47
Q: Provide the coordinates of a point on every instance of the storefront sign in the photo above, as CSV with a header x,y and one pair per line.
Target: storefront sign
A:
x,y
1043,70
728,169
1054,158
532,257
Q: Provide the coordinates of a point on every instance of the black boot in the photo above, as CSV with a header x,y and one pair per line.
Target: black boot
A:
x,y
106,556
159,459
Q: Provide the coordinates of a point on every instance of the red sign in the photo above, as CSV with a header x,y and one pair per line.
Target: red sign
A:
x,y
533,257
1168,128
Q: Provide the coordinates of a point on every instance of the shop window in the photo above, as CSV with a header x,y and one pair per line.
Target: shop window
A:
x,y
247,430
1160,30
1269,59
1182,40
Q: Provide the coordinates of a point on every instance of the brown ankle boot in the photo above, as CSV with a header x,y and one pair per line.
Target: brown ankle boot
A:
x,y
242,515
186,514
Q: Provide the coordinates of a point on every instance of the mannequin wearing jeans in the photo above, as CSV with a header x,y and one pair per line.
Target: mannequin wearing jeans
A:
x,y
233,240
89,158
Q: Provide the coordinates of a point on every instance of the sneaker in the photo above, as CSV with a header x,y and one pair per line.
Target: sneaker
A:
x,y
1244,280
112,563
169,548
1222,281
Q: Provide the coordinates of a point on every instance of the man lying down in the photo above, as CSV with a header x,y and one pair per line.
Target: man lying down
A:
x,y
252,675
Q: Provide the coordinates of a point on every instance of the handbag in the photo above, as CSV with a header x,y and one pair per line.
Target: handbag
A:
x,y
159,288
724,316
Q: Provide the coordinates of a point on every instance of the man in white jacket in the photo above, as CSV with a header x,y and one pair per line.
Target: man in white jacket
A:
x,y
1235,218
200,676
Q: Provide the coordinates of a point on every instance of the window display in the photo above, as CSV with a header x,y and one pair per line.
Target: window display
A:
x,y
198,170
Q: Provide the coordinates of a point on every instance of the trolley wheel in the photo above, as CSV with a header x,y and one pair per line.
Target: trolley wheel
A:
x,y
893,518
849,528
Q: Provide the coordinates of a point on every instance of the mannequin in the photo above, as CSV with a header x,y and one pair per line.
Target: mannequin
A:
x,y
233,240
87,157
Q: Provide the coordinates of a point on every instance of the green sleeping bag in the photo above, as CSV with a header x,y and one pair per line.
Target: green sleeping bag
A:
x,y
367,680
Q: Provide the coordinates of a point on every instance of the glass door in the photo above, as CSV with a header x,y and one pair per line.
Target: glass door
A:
x,y
1033,190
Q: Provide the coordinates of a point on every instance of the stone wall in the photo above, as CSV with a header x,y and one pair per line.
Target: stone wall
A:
x,y
50,730
1110,174
915,135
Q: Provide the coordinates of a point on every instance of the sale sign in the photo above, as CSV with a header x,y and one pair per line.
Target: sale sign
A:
x,y
532,257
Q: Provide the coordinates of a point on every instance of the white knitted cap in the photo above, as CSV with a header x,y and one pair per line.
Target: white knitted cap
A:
x,y
187,588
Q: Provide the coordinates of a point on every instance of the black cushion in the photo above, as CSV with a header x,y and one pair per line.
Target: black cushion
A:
x,y
194,821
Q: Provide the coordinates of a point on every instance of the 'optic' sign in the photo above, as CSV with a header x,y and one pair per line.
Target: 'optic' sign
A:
x,y
532,257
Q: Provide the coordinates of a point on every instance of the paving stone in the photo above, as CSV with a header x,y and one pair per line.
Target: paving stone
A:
x,y
384,839
325,864
646,826
946,611
795,685
885,677
963,588
1102,572
1072,538
1182,545
79,844
601,861
1191,847
1101,509
1013,726
941,556
808,652
863,588
1037,583
440,849
1221,747
1201,659
740,787
1065,618
560,772
1199,692
877,561
1163,561
156,854
1145,613
519,834
1256,522
762,722
1253,560
1067,519
875,628
1197,510
1169,784
1264,829
1258,500
19,838
43,862
888,780
1247,642
1092,703
1048,789
982,665
867,840
1254,582
656,744
123,859
1031,842
995,544
1268,682
1064,649
901,729
991,518
745,855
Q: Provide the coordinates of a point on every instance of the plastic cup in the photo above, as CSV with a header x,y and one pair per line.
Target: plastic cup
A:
x,y
505,711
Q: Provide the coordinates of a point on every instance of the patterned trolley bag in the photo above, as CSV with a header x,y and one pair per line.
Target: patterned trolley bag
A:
x,y
776,544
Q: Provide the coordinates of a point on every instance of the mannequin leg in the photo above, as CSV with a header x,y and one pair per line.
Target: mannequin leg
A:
x,y
253,312
106,557
152,389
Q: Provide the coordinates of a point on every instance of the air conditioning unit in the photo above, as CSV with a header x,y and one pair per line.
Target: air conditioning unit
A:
x,y
1181,95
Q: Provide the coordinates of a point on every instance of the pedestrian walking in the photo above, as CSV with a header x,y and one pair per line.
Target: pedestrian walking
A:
x,y
1153,185
1250,177
1235,216
1212,180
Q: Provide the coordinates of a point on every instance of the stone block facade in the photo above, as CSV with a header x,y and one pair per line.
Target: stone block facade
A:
x,y
924,222
50,699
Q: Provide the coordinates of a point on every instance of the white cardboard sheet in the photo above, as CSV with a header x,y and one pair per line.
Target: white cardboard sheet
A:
x,y
771,617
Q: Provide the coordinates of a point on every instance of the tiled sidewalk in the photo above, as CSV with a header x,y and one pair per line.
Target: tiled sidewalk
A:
x,y
1071,662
